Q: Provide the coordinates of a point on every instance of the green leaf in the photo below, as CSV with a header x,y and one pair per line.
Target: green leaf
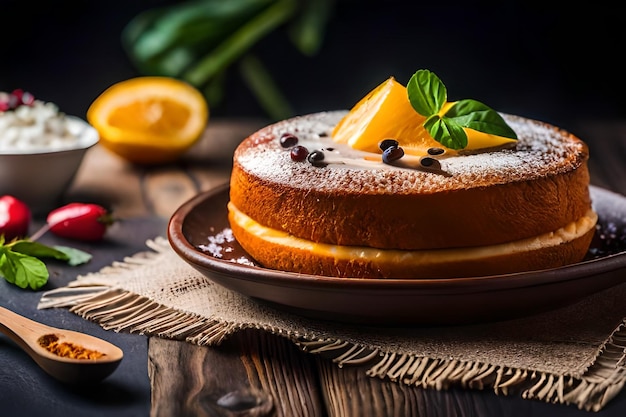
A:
x,y
199,41
476,115
427,93
74,256
214,90
307,31
157,38
23,270
6,267
154,31
239,42
20,263
264,88
36,249
447,132
173,62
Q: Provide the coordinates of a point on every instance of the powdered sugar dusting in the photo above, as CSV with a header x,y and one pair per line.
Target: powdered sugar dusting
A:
x,y
541,150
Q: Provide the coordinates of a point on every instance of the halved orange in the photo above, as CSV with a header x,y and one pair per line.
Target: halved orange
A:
x,y
386,113
149,120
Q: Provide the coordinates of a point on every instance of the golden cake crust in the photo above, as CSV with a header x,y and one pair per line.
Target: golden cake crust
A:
x,y
486,199
351,215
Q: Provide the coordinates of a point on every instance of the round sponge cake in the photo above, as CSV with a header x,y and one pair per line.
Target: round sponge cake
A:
x,y
343,212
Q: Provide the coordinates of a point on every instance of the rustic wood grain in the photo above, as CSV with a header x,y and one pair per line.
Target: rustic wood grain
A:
x,y
105,178
166,189
351,393
251,374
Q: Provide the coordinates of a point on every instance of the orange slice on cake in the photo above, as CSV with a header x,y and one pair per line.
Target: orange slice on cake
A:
x,y
386,113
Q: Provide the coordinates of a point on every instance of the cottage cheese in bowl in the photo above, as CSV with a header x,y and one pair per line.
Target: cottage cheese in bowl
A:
x,y
28,125
41,149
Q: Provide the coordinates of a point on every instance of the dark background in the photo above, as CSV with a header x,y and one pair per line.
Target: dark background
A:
x,y
556,64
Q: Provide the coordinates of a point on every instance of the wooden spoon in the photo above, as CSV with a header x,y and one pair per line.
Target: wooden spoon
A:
x,y
48,346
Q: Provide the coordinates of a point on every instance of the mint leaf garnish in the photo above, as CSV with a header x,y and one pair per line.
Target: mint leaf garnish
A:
x,y
36,249
22,270
74,256
447,132
20,262
428,94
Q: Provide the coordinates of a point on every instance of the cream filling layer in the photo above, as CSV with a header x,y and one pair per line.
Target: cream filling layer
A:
x,y
563,235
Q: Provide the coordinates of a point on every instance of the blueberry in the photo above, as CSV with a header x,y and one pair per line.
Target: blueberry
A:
x,y
316,158
435,151
392,153
387,143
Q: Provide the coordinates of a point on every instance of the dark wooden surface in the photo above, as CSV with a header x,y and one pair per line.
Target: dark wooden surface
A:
x,y
252,373
26,391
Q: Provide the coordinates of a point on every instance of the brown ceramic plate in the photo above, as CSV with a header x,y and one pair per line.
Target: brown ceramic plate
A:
x,y
196,233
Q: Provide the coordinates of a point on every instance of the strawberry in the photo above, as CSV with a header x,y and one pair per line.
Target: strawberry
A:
x,y
15,217
80,221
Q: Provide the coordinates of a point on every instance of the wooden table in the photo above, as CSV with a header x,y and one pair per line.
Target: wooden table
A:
x,y
256,374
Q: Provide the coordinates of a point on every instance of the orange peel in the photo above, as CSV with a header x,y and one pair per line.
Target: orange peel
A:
x,y
149,120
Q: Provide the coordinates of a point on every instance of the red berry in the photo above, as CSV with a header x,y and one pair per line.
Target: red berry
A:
x,y
80,221
287,140
15,217
298,153
15,99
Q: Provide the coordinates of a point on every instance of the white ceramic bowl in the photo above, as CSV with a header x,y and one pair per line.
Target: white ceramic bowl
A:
x,y
39,177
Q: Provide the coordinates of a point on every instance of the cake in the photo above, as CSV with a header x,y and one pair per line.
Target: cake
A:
x,y
301,200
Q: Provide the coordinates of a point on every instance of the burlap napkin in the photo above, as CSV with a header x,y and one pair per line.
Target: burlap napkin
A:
x,y
574,355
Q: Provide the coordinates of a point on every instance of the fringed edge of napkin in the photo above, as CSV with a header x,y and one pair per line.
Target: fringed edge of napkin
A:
x,y
600,383
120,310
